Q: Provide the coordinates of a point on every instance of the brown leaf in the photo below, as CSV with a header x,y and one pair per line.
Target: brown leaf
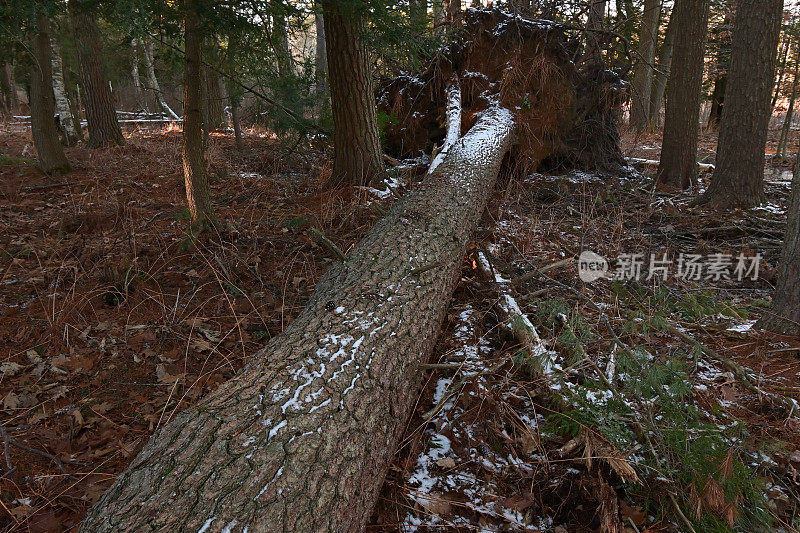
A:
x,y
435,504
447,462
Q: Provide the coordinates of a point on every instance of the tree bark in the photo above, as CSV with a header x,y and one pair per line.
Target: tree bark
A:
x,y
101,116
321,72
661,75
10,96
643,76
280,38
71,127
783,56
236,122
717,101
738,179
137,80
678,166
452,10
43,126
722,66
302,438
358,157
215,110
787,122
152,80
437,7
194,164
784,316
594,23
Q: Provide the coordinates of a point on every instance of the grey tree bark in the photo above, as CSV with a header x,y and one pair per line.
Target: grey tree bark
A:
x,y
783,142
643,76
137,80
301,439
71,127
152,80
321,72
661,75
43,127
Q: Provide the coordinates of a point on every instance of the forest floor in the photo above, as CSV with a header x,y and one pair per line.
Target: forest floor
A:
x,y
112,320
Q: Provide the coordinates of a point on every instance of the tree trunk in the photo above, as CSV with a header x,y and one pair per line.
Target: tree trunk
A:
x,y
101,116
720,74
678,166
738,179
594,23
152,80
783,143
437,6
302,438
717,101
784,316
280,37
137,81
43,126
236,123
358,157
783,56
194,164
452,9
70,126
215,118
321,72
10,94
643,77
661,76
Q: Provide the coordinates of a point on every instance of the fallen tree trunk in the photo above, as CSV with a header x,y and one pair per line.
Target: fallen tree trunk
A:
x,y
301,439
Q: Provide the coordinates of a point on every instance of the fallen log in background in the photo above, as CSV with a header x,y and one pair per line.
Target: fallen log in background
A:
x,y
300,440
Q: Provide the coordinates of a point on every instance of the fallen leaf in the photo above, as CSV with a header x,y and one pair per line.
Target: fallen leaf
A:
x,y
447,462
9,368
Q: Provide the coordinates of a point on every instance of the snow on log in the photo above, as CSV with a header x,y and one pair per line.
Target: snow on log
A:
x,y
453,121
514,320
301,438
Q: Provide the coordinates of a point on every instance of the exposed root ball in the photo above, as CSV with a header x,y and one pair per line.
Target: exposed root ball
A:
x,y
565,116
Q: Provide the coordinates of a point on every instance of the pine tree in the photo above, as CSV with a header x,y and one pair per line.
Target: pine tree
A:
x,y
678,166
101,116
42,100
738,179
358,157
